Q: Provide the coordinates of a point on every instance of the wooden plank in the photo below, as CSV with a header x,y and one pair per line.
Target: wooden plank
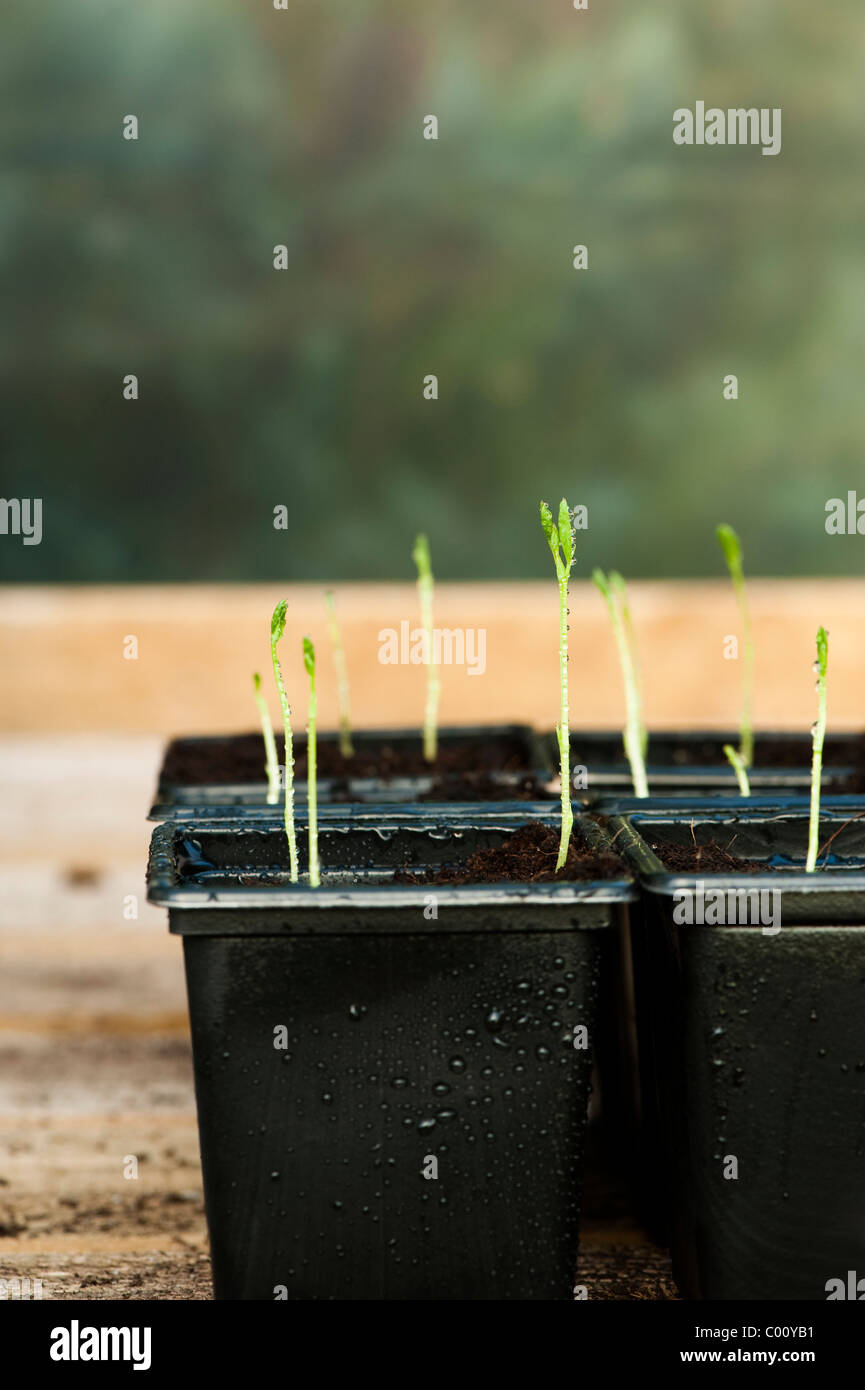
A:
x,y
62,666
610,1273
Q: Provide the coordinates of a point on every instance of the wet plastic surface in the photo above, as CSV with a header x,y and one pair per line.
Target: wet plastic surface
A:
x,y
752,1049
348,1040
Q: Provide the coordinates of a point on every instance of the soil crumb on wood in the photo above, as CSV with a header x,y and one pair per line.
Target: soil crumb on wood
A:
x,y
527,856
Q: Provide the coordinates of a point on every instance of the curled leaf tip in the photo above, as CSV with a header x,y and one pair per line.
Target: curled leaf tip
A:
x,y
730,544
420,551
599,579
277,622
309,656
566,532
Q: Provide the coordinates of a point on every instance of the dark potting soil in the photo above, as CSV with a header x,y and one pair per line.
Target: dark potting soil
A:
x,y
480,786
710,858
769,753
713,858
778,754
527,856
239,759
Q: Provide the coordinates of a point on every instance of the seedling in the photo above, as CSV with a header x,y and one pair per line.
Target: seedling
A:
x,y
271,763
732,549
277,628
621,591
312,794
735,760
614,592
421,557
818,733
346,747
560,538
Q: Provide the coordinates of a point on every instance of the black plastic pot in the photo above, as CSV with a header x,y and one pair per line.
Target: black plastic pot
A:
x,y
408,1038
752,1048
693,763
177,801
714,802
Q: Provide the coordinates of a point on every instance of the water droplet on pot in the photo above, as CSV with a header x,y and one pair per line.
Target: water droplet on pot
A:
x,y
494,1019
457,1064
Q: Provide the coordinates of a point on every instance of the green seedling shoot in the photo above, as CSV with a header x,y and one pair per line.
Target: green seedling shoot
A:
x,y
277,628
614,593
560,538
732,549
421,557
734,758
312,795
818,733
271,763
621,591
346,747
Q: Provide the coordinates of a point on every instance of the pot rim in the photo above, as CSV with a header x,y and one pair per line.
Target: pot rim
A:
x,y
165,888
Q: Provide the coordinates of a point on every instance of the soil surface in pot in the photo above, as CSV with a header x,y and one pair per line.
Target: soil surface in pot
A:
x,y
527,856
239,759
715,858
711,858
768,753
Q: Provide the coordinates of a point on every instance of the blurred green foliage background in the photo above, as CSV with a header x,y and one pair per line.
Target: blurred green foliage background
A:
x,y
409,257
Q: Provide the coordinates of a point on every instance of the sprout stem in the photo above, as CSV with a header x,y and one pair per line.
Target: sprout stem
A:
x,y
818,734
735,760
277,628
346,747
732,549
560,538
564,729
425,586
635,740
312,793
271,763
621,591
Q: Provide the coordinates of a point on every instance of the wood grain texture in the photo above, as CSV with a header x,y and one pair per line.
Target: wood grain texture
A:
x,y
62,667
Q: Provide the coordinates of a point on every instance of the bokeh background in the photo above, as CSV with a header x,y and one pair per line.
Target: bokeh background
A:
x,y
407,257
